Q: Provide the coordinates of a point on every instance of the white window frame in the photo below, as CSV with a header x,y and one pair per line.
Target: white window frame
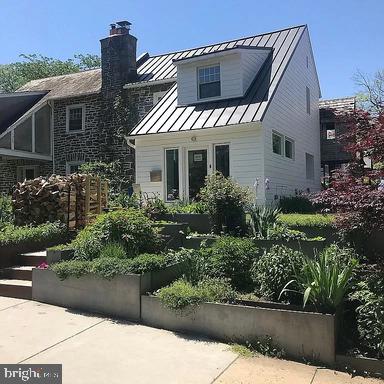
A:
x,y
198,82
75,106
214,155
286,138
157,96
308,100
179,164
68,165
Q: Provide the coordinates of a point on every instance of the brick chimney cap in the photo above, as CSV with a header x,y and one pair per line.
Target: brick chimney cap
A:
x,y
123,24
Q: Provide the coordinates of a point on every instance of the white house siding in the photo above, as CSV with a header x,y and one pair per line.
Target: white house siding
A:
x,y
246,154
287,114
231,78
251,62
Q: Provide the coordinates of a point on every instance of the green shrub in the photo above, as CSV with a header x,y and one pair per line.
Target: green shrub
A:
x,y
282,232
116,250
108,267
274,270
323,281
232,258
370,313
49,232
225,201
307,220
128,227
182,294
154,207
123,200
6,211
296,204
196,263
262,220
183,207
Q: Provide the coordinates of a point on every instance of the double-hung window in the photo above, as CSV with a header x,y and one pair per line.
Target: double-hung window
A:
x,y
277,143
222,159
75,118
209,81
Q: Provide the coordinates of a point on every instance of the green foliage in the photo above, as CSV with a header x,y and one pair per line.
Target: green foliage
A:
x,y
307,220
324,281
185,207
225,201
35,66
232,258
264,346
48,232
182,294
123,200
282,232
108,267
128,227
154,207
296,204
6,212
274,270
113,172
196,263
111,250
370,312
263,219
126,113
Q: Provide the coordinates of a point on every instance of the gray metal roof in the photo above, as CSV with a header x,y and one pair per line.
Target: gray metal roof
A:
x,y
166,116
341,104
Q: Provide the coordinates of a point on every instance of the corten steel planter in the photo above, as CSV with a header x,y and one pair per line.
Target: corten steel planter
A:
x,y
301,334
118,297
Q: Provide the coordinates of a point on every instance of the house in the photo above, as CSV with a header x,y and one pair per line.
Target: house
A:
x,y
331,128
247,108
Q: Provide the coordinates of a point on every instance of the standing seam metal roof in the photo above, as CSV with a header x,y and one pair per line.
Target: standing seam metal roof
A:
x,y
166,116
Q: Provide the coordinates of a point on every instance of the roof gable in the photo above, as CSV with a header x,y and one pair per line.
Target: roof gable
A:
x,y
166,116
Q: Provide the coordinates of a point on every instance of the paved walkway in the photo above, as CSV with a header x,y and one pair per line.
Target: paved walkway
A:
x,y
97,350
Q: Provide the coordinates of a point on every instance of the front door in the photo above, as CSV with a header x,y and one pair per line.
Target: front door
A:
x,y
197,171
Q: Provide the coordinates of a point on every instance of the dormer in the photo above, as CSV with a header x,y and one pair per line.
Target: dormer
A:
x,y
218,75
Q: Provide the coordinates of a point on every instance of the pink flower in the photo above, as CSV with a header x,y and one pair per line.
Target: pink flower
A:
x,y
43,265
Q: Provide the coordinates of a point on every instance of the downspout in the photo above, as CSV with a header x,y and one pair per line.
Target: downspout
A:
x,y
51,104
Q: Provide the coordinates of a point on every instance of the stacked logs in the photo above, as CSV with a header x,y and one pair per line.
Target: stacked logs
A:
x,y
64,198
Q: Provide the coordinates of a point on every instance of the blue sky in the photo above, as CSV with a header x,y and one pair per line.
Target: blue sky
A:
x,y
346,34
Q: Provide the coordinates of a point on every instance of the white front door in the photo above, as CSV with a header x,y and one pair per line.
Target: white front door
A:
x,y
197,170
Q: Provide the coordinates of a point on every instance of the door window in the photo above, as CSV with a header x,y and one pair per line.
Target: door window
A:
x,y
197,171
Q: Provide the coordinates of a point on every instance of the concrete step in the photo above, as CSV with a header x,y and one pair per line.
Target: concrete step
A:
x,y
20,289
33,259
23,272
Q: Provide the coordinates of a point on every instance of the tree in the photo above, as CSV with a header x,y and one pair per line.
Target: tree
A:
x,y
36,66
357,194
371,96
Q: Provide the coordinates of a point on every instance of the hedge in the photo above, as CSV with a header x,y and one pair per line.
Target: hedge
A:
x,y
307,220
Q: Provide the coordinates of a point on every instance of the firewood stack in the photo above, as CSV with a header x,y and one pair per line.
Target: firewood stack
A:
x,y
64,198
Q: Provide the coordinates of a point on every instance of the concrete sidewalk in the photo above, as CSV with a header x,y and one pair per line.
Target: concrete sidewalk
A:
x,y
94,349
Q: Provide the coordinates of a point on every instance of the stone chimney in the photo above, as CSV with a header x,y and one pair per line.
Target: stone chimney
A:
x,y
118,58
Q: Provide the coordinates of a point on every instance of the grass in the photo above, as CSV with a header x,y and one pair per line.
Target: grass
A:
x,y
307,220
241,350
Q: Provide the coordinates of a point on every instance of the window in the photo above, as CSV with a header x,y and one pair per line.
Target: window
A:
x,y
27,172
157,96
209,81
289,148
75,118
277,141
310,166
172,174
307,61
222,159
73,167
308,99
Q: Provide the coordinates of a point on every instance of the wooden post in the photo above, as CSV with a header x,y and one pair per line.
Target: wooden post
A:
x,y
98,184
87,197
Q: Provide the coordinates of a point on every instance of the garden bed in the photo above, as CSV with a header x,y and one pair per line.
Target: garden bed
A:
x,y
300,334
361,365
119,297
197,222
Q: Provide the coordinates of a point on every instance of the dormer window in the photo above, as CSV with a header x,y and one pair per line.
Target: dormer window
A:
x,y
209,81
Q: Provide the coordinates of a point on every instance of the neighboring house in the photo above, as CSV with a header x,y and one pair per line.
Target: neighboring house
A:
x,y
246,107
331,128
